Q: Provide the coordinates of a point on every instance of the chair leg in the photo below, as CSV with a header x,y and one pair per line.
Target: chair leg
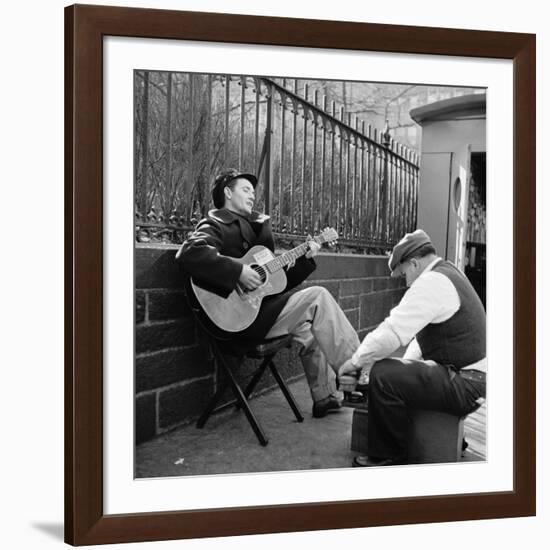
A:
x,y
211,405
216,353
247,410
286,391
241,401
256,378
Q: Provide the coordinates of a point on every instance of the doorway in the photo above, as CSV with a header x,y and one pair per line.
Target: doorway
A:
x,y
476,235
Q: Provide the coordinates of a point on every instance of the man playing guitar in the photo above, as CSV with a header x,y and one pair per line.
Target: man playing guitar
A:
x,y
210,256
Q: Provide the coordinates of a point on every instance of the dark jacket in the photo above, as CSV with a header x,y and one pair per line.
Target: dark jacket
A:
x,y
207,256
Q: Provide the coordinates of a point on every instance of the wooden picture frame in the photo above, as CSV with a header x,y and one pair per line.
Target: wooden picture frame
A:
x,y
85,27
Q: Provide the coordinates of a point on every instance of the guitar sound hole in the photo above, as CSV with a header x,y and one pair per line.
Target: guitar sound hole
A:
x,y
261,271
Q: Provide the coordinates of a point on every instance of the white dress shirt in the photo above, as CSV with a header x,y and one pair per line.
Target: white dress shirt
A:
x,y
432,298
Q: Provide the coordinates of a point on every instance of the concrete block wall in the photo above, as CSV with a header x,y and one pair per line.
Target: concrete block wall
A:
x,y
175,377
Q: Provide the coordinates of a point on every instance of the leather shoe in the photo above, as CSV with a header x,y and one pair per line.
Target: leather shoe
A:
x,y
354,397
346,382
322,407
363,461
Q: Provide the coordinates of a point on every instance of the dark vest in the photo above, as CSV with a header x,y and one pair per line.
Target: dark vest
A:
x,y
459,341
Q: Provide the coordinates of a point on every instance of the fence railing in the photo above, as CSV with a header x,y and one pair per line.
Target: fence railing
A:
x,y
317,165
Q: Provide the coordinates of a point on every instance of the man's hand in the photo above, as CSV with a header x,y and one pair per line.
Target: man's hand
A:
x,y
314,248
347,368
249,279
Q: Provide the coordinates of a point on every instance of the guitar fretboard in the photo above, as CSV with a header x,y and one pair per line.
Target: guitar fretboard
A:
x,y
284,259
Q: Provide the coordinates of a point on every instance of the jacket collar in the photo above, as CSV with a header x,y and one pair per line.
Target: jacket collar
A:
x,y
226,216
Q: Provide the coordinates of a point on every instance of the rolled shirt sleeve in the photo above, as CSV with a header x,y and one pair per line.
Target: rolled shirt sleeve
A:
x,y
413,351
376,345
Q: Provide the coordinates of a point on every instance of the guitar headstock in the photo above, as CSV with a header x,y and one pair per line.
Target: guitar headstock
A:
x,y
329,235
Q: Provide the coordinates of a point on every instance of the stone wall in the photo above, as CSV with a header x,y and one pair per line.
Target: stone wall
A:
x,y
174,377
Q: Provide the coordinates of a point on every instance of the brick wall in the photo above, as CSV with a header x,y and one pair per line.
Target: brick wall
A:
x,y
174,377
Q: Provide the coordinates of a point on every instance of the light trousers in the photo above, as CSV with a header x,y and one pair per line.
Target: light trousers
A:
x,y
327,338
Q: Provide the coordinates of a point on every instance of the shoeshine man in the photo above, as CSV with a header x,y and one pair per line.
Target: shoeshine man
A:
x,y
311,315
442,320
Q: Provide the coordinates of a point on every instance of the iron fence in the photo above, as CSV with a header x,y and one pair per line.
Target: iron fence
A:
x,y
317,165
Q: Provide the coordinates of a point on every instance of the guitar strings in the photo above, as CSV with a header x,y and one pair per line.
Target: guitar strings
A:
x,y
260,271
279,261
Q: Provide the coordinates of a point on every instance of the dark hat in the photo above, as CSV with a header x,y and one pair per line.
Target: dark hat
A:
x,y
224,179
404,249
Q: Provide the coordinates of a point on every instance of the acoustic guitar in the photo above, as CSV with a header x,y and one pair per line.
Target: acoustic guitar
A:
x,y
238,311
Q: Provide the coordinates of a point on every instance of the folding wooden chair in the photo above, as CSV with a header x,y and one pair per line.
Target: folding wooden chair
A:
x,y
229,358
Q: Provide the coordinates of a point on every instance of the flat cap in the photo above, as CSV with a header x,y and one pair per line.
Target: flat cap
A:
x,y
404,249
224,179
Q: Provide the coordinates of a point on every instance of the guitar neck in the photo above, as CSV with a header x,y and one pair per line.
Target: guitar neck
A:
x,y
288,257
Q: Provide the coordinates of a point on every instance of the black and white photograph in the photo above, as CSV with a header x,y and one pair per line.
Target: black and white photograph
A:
x,y
274,275
310,274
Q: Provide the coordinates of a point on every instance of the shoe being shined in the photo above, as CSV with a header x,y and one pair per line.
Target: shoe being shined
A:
x,y
347,382
354,392
322,407
357,380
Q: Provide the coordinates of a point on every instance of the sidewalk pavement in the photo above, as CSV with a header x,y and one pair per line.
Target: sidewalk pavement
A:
x,y
227,443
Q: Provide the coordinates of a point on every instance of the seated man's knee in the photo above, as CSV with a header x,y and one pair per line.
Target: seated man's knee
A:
x,y
316,290
384,370
319,293
376,373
